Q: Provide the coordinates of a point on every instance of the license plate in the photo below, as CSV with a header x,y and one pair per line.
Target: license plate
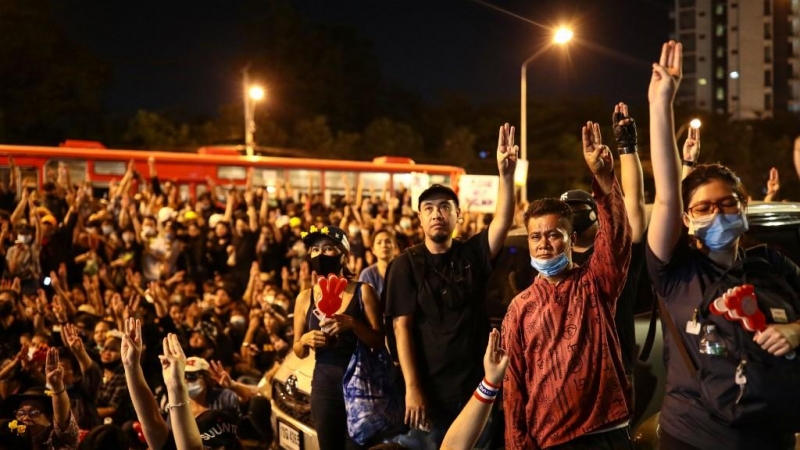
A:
x,y
289,437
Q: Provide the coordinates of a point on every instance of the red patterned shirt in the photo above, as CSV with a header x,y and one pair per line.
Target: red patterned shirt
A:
x,y
566,378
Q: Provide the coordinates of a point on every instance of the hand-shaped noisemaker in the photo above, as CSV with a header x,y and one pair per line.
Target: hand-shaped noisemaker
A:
x,y
331,288
740,303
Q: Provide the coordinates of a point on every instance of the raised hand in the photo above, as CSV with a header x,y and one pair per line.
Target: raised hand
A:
x,y
173,362
507,152
131,347
495,360
597,156
59,310
691,148
220,375
773,185
667,73
332,289
53,372
70,334
624,129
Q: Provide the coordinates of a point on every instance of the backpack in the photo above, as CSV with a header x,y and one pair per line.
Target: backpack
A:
x,y
748,386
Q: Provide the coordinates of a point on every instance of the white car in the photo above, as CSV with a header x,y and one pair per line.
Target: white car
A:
x,y
291,404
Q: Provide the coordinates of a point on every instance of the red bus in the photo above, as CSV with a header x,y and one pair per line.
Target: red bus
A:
x,y
226,166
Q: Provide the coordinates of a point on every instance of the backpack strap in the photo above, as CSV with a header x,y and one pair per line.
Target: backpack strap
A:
x,y
417,255
676,336
649,340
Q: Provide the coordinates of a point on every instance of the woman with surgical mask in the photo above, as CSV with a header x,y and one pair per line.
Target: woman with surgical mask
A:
x,y
333,338
711,204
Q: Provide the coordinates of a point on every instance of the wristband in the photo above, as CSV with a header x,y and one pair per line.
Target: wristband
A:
x,y
485,392
689,163
627,150
178,405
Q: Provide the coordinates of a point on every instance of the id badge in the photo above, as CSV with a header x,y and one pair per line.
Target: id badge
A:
x,y
693,327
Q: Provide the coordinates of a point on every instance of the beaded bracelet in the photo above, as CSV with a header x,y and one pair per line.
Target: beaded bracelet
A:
x,y
486,391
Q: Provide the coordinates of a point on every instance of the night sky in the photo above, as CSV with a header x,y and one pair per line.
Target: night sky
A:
x,y
186,55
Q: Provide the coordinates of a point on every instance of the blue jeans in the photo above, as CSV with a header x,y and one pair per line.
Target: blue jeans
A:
x,y
442,418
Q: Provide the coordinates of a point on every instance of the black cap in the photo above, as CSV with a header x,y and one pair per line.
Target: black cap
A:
x,y
335,233
437,189
579,197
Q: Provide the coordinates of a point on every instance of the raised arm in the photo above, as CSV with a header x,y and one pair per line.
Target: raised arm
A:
x,y
630,170
665,228
184,427
54,373
468,426
504,213
773,185
691,152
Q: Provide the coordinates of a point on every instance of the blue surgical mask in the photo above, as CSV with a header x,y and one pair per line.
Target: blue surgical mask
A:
x,y
720,231
550,267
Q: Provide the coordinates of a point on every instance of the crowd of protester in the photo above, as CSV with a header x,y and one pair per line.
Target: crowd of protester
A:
x,y
138,319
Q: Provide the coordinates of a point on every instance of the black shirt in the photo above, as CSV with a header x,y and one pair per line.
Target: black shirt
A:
x,y
450,331
683,415
623,317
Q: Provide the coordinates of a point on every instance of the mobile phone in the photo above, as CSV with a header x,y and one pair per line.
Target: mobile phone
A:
x,y
47,281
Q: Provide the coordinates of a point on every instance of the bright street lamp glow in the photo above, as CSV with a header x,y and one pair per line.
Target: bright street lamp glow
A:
x,y
256,93
734,75
562,36
695,123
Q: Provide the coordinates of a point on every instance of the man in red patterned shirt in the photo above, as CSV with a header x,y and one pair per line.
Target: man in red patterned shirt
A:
x,y
565,386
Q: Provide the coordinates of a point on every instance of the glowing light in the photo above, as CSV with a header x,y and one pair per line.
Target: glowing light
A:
x,y
734,75
702,81
562,35
256,93
695,123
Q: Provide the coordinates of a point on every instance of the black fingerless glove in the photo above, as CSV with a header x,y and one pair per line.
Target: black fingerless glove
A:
x,y
625,135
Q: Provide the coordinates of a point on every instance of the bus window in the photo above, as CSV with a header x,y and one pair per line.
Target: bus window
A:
x,y
441,179
26,173
200,189
183,192
117,168
299,179
374,181
334,181
75,168
267,177
231,173
401,181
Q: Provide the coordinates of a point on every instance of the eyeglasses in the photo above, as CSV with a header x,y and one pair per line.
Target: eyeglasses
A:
x,y
191,376
31,413
727,205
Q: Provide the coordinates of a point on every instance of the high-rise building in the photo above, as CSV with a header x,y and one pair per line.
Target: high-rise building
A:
x,y
741,57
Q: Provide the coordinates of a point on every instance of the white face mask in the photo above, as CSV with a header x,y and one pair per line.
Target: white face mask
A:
x,y
238,321
194,388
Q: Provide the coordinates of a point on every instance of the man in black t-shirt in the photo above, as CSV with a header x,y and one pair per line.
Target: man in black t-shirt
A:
x,y
440,322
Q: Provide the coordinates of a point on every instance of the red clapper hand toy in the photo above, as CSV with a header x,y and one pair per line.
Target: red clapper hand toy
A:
x,y
740,303
331,288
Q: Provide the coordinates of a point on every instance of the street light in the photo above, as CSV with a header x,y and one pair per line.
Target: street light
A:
x,y
251,95
256,93
694,123
561,36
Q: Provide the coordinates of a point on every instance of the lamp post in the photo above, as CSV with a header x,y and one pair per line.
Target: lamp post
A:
x,y
252,94
560,37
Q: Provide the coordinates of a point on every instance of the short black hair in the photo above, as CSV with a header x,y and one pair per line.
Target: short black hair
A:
x,y
545,206
705,173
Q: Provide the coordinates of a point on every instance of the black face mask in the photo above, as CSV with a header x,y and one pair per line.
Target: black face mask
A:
x,y
325,265
6,309
583,220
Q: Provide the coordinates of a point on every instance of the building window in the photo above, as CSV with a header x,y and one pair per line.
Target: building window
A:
x,y
701,58
687,3
734,29
768,54
767,30
689,42
768,101
735,51
720,94
720,73
720,52
702,81
720,30
687,20
767,78
701,36
734,98
767,7
719,9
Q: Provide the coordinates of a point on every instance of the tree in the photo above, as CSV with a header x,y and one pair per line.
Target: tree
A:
x,y
150,130
386,137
